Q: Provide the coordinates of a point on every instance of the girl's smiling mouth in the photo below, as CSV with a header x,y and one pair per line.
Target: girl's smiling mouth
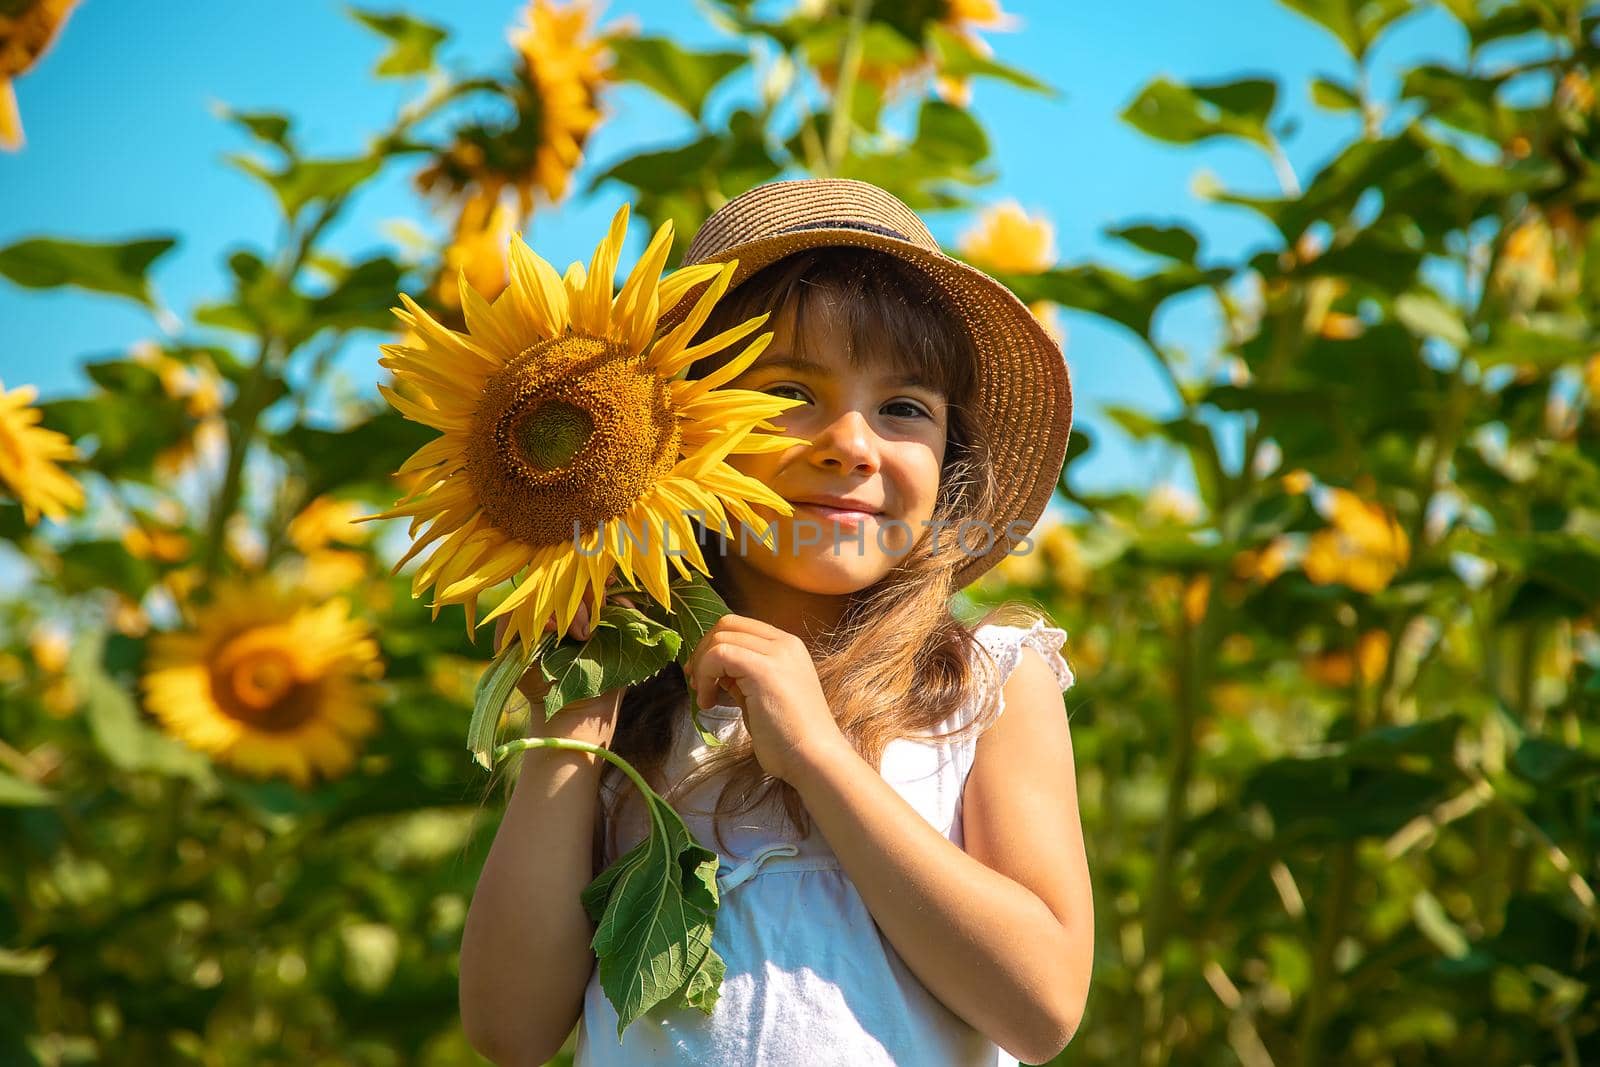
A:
x,y
844,516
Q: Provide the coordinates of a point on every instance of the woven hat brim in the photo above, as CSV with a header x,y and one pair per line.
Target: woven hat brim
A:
x,y
1025,387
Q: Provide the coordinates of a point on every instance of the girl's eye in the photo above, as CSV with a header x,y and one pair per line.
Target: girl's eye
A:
x,y
914,410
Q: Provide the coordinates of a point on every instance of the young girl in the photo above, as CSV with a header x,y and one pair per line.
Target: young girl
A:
x,y
903,875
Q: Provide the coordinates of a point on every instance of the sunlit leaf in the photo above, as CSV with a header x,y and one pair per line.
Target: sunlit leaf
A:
x,y
1172,242
118,269
655,912
626,647
1130,301
957,58
412,42
1330,94
1355,23
950,135
303,181
271,127
685,78
1425,315
662,169
1184,114
20,793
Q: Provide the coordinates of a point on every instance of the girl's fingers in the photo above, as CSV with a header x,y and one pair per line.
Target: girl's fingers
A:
x,y
710,675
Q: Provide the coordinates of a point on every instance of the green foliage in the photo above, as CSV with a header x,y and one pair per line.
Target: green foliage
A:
x,y
1355,23
655,910
1336,755
119,269
685,78
412,42
300,182
1183,114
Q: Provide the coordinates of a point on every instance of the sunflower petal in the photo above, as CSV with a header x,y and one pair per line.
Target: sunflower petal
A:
x,y
635,308
592,313
666,356
486,324
537,285
680,281
728,371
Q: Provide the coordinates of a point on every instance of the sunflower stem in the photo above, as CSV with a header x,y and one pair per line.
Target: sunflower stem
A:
x,y
251,401
839,123
522,744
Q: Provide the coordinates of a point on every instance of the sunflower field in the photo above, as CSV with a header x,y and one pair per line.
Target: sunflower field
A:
x,y
1337,717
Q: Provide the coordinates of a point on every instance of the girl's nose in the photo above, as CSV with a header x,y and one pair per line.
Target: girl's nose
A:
x,y
848,441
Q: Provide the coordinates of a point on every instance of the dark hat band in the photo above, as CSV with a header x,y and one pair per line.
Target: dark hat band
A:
x,y
846,224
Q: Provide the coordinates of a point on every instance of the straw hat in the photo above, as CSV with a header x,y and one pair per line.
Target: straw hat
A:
x,y
1024,392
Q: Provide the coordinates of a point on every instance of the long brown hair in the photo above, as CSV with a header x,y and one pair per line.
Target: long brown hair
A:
x,y
900,661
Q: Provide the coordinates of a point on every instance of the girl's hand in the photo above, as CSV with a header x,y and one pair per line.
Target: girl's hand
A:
x,y
772,678
593,720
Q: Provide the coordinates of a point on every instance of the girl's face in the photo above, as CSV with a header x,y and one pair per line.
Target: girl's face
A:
x,y
877,438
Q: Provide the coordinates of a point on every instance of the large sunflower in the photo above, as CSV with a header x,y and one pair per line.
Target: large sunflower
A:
x,y
267,683
561,410
28,456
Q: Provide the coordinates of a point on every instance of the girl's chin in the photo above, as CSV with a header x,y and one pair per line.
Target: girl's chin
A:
x,y
826,574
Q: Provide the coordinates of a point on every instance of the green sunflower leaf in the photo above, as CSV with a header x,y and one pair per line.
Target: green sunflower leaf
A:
x,y
626,648
20,793
683,77
489,698
655,913
412,41
696,607
120,269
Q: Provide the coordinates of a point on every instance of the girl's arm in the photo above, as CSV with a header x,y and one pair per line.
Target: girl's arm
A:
x,y
525,952
1003,932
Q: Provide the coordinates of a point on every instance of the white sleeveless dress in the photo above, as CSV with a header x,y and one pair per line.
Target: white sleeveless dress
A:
x,y
810,978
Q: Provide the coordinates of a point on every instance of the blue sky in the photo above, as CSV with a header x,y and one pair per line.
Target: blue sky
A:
x,y
122,142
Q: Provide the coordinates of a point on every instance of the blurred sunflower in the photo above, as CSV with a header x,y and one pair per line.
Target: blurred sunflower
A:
x,y
266,682
147,537
1007,238
324,568
1338,667
1056,558
50,645
554,95
561,410
1363,547
891,73
1171,592
200,386
478,247
325,521
1263,563
27,28
28,456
